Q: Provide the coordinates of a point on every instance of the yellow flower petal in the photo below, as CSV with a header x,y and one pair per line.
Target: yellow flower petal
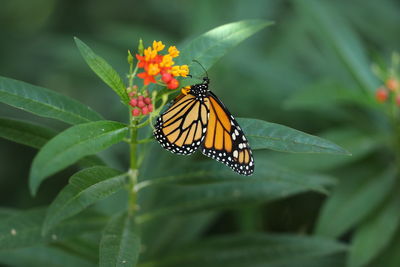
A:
x,y
149,53
173,51
184,70
175,70
167,61
153,69
158,46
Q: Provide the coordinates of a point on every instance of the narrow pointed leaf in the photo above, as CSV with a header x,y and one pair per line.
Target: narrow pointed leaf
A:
x,y
26,133
23,229
84,188
267,135
103,70
374,235
40,256
344,41
120,242
73,144
44,102
209,47
250,250
347,206
214,188
36,136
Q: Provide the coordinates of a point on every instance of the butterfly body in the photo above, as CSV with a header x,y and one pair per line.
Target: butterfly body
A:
x,y
199,119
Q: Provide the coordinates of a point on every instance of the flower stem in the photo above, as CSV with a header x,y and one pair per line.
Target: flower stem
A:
x,y
133,169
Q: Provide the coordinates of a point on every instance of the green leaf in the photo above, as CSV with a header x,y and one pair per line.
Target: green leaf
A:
x,y
373,236
250,250
209,47
352,201
85,188
36,136
215,188
156,235
103,70
44,102
120,243
267,135
390,257
359,142
42,256
73,144
23,229
26,133
333,28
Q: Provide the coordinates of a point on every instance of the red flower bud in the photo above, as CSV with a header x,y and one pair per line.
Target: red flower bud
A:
x,y
166,77
135,112
145,110
173,84
133,102
147,100
141,104
140,98
150,106
381,95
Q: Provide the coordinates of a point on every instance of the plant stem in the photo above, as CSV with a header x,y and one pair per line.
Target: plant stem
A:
x,y
133,169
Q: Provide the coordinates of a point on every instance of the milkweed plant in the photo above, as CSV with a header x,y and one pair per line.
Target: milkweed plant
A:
x,y
153,212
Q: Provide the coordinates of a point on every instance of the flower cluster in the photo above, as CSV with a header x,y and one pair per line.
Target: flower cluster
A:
x,y
391,88
141,105
160,68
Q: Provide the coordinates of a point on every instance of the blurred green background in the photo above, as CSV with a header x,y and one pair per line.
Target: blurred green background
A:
x,y
314,47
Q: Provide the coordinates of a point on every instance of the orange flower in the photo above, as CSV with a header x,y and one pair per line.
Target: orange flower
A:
x,y
147,78
160,68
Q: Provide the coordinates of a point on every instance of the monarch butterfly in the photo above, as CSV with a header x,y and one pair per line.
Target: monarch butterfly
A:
x,y
198,118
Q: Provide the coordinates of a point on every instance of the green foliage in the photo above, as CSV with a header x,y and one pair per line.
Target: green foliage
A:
x,y
250,250
212,45
85,187
374,235
43,256
338,215
103,70
23,229
266,135
25,133
44,102
120,242
73,144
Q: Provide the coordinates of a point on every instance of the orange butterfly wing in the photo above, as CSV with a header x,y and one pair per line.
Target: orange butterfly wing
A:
x,y
181,128
225,140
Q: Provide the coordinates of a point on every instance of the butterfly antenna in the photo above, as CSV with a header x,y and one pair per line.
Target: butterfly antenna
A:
x,y
194,60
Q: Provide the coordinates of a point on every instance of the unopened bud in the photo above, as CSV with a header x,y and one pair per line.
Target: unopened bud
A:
x,y
173,84
145,110
381,95
133,102
135,112
140,47
147,100
130,58
141,104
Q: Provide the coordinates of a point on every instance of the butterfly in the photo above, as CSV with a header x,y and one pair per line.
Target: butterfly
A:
x,y
197,118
